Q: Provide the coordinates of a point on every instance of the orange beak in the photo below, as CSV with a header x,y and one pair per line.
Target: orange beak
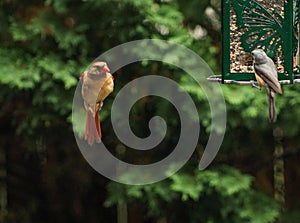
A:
x,y
105,70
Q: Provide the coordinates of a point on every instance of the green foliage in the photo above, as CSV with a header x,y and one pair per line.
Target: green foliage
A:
x,y
221,194
187,186
46,45
291,216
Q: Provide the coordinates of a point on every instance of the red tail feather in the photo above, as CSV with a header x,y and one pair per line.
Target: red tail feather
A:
x,y
92,128
97,121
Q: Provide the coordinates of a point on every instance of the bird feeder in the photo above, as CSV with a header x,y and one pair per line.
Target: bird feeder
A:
x,y
272,25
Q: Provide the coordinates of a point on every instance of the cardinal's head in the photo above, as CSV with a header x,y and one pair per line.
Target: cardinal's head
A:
x,y
99,68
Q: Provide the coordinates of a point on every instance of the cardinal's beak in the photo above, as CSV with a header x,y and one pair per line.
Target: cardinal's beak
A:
x,y
105,70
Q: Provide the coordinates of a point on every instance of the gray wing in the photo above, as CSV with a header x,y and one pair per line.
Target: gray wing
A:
x,y
268,73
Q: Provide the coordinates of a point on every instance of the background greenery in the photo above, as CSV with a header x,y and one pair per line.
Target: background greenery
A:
x,y
46,45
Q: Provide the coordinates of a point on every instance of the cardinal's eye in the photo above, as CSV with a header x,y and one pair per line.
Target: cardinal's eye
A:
x,y
98,67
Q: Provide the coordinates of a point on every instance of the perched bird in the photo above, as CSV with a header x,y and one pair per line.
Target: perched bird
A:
x,y
266,76
97,84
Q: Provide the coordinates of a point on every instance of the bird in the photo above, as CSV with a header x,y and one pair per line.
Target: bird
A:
x,y
266,75
97,84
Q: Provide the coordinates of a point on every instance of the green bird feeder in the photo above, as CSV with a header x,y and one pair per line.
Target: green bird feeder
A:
x,y
272,25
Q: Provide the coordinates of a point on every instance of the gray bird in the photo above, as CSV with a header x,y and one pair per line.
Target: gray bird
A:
x,y
266,76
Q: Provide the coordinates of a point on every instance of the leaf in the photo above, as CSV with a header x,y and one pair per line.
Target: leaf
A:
x,y
187,186
268,211
226,180
17,69
60,70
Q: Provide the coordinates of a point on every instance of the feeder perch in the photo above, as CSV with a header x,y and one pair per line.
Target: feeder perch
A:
x,y
272,25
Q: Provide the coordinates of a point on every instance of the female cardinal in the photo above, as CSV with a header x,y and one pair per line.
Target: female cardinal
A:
x,y
97,84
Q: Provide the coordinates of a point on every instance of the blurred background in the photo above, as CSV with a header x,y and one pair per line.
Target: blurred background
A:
x,y
46,45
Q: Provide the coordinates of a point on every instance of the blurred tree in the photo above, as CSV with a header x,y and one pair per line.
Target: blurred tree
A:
x,y
44,47
217,195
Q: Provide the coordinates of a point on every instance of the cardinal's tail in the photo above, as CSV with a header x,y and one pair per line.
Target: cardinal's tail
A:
x,y
92,128
271,104
98,126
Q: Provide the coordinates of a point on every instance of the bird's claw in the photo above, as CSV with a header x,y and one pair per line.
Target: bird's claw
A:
x,y
253,83
99,105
